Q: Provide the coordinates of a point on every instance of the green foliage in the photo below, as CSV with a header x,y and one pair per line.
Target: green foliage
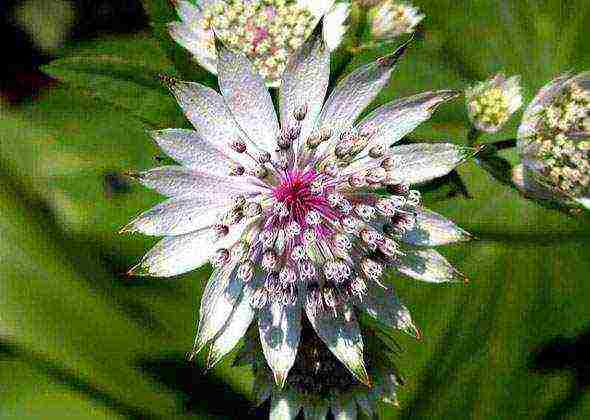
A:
x,y
79,339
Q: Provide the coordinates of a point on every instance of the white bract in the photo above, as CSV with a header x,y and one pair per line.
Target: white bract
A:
x,y
554,142
490,104
266,31
392,18
289,219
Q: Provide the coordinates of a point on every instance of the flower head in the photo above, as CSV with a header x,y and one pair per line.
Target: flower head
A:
x,y
394,18
318,383
266,31
490,104
554,142
299,231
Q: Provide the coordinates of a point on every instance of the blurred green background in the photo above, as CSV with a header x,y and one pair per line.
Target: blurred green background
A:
x,y
80,340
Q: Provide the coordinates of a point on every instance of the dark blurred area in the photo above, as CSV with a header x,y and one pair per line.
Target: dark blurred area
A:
x,y
36,30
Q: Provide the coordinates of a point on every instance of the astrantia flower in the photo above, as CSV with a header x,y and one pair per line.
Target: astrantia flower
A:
x,y
286,208
267,31
490,104
554,142
318,383
392,18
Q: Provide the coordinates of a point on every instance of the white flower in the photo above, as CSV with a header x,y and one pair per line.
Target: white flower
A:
x,y
490,104
392,18
554,142
267,31
290,169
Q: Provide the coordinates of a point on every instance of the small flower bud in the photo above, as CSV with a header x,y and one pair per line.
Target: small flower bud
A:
x,y
377,151
220,258
246,271
238,145
300,113
393,18
491,103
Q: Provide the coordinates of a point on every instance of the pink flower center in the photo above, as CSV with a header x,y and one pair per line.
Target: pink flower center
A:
x,y
294,190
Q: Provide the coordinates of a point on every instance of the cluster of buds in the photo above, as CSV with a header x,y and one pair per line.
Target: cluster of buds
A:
x,y
491,103
267,31
391,19
560,141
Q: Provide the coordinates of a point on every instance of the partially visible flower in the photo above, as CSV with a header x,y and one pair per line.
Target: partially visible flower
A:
x,y
287,212
554,142
266,31
318,383
392,18
490,104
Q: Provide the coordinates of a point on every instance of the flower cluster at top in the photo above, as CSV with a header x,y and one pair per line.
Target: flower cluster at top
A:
x,y
392,18
267,31
562,140
491,103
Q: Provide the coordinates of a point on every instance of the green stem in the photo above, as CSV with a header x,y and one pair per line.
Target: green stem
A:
x,y
473,135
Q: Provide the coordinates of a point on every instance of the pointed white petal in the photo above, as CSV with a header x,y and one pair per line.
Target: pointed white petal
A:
x,y
305,82
342,335
235,328
345,410
355,92
317,410
175,181
189,149
212,119
284,406
334,24
384,306
432,229
248,99
427,265
221,294
391,122
177,216
195,40
280,328
422,162
176,255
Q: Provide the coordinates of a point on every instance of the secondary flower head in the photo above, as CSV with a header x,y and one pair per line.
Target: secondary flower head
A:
x,y
266,31
318,383
554,142
490,104
286,207
393,18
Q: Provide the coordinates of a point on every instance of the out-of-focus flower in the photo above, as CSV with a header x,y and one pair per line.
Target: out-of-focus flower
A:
x,y
318,383
392,18
47,22
554,142
266,31
285,207
490,104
